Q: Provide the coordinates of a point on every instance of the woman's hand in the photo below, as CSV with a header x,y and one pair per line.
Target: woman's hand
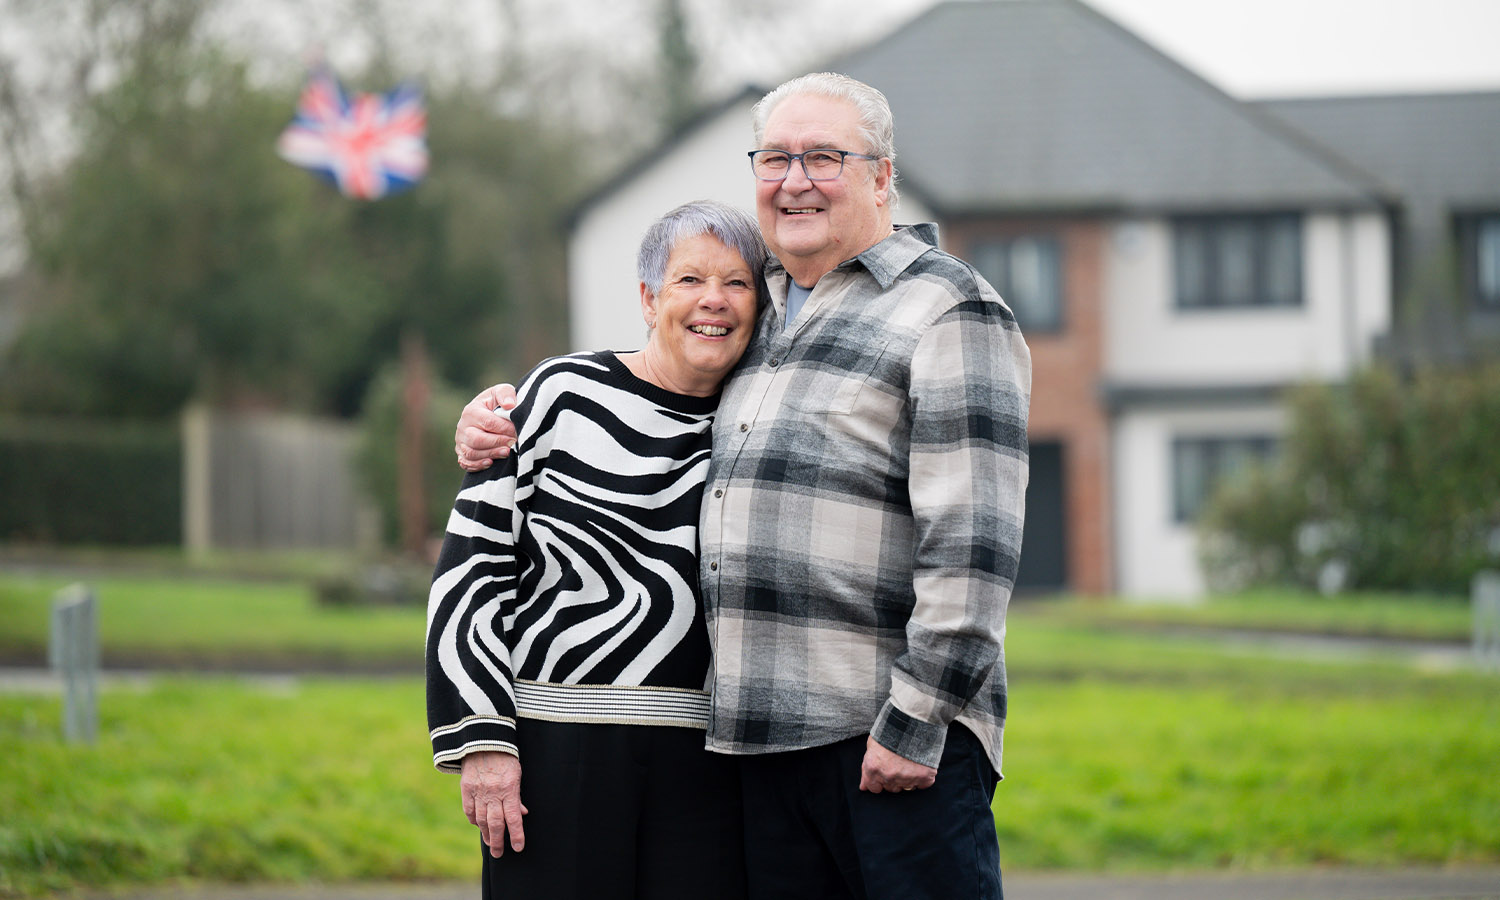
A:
x,y
483,435
490,782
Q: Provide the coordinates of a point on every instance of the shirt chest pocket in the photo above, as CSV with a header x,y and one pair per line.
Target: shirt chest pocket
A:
x,y
841,386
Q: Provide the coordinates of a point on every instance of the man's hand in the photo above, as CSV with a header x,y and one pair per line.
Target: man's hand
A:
x,y
483,436
885,771
491,786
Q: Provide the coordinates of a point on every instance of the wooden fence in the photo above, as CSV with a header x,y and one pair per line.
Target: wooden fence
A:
x,y
269,481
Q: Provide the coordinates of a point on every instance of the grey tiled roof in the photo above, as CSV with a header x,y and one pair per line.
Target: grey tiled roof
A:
x,y
1438,145
1046,105
1441,152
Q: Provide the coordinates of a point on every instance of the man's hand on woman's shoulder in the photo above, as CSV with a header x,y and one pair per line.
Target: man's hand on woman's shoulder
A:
x,y
483,435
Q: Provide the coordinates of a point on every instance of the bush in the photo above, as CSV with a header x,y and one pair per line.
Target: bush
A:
x,y
376,584
377,456
56,490
1386,483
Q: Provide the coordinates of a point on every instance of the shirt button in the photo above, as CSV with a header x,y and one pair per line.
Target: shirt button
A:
x,y
775,362
719,492
744,427
713,567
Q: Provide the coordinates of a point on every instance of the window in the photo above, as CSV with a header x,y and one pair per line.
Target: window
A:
x,y
1199,465
1479,236
1237,261
1027,271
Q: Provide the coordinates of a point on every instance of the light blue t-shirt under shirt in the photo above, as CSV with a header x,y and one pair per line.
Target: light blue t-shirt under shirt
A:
x,y
796,296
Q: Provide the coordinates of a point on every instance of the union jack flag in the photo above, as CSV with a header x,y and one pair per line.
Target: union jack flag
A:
x,y
369,145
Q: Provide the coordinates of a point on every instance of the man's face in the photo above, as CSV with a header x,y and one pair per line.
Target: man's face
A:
x,y
813,226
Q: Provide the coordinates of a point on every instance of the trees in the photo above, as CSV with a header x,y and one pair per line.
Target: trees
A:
x,y
179,258
1386,483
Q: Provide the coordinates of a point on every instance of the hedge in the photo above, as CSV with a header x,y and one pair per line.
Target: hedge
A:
x,y
87,481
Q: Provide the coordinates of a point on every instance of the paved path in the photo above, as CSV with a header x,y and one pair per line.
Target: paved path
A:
x,y
1334,884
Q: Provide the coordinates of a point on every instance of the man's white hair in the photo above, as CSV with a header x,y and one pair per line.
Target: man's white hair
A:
x,y
876,125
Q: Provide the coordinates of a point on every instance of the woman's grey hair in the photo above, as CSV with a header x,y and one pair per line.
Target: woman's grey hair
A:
x,y
876,124
734,228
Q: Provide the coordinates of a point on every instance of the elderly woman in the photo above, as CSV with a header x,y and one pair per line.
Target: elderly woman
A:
x,y
567,657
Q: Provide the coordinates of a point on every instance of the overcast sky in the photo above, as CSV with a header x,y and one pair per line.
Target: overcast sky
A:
x,y
1285,47
1260,48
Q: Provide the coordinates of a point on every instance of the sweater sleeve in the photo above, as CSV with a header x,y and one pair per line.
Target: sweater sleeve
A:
x,y
970,395
471,703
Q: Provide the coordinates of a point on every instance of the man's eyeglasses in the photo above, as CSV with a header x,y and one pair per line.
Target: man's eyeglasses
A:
x,y
818,165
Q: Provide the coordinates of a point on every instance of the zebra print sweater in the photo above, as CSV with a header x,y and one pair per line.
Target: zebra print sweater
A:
x,y
567,585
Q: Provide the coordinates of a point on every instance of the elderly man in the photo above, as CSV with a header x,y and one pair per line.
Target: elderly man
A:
x,y
861,525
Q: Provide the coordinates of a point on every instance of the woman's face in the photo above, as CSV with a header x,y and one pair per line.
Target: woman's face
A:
x,y
703,315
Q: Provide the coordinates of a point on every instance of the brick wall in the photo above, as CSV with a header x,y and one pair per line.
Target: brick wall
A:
x,y
1065,400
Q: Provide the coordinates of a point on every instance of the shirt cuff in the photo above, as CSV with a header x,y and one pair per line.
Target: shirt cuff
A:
x,y
913,739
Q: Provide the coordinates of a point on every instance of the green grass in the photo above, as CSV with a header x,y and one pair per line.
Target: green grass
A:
x,y
173,560
1124,752
168,619
1422,617
1167,754
222,780
1131,745
148,614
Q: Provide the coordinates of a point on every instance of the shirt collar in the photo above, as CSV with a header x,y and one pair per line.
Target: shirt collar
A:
x,y
889,258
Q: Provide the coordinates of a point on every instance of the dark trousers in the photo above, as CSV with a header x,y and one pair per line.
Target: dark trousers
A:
x,y
622,812
812,834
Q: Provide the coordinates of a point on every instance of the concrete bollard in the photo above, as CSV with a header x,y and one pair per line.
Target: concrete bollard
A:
x,y
1486,598
73,652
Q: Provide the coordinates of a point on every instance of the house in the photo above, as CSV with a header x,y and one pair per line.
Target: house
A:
x,y
1176,258
1440,154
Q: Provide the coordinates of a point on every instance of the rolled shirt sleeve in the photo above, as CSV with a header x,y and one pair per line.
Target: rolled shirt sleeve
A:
x,y
969,397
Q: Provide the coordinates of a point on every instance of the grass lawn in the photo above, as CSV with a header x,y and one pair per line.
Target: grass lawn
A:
x,y
1422,617
1129,747
155,615
223,780
1169,754
1124,752
169,619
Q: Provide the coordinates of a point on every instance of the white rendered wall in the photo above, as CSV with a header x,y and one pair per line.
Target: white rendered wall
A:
x,y
1150,344
603,293
710,163
1157,556
1346,304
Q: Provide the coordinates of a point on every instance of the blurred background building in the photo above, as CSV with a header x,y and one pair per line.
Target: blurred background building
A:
x,y
1177,257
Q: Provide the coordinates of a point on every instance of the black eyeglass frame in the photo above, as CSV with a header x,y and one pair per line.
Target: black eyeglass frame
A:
x,y
797,158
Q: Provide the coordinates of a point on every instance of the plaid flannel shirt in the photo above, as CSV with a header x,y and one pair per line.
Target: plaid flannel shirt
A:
x,y
862,518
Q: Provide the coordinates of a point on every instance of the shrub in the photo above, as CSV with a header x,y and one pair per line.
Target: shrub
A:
x,y
59,490
377,456
378,584
1386,483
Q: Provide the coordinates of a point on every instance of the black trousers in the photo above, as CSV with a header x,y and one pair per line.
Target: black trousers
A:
x,y
622,812
812,834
